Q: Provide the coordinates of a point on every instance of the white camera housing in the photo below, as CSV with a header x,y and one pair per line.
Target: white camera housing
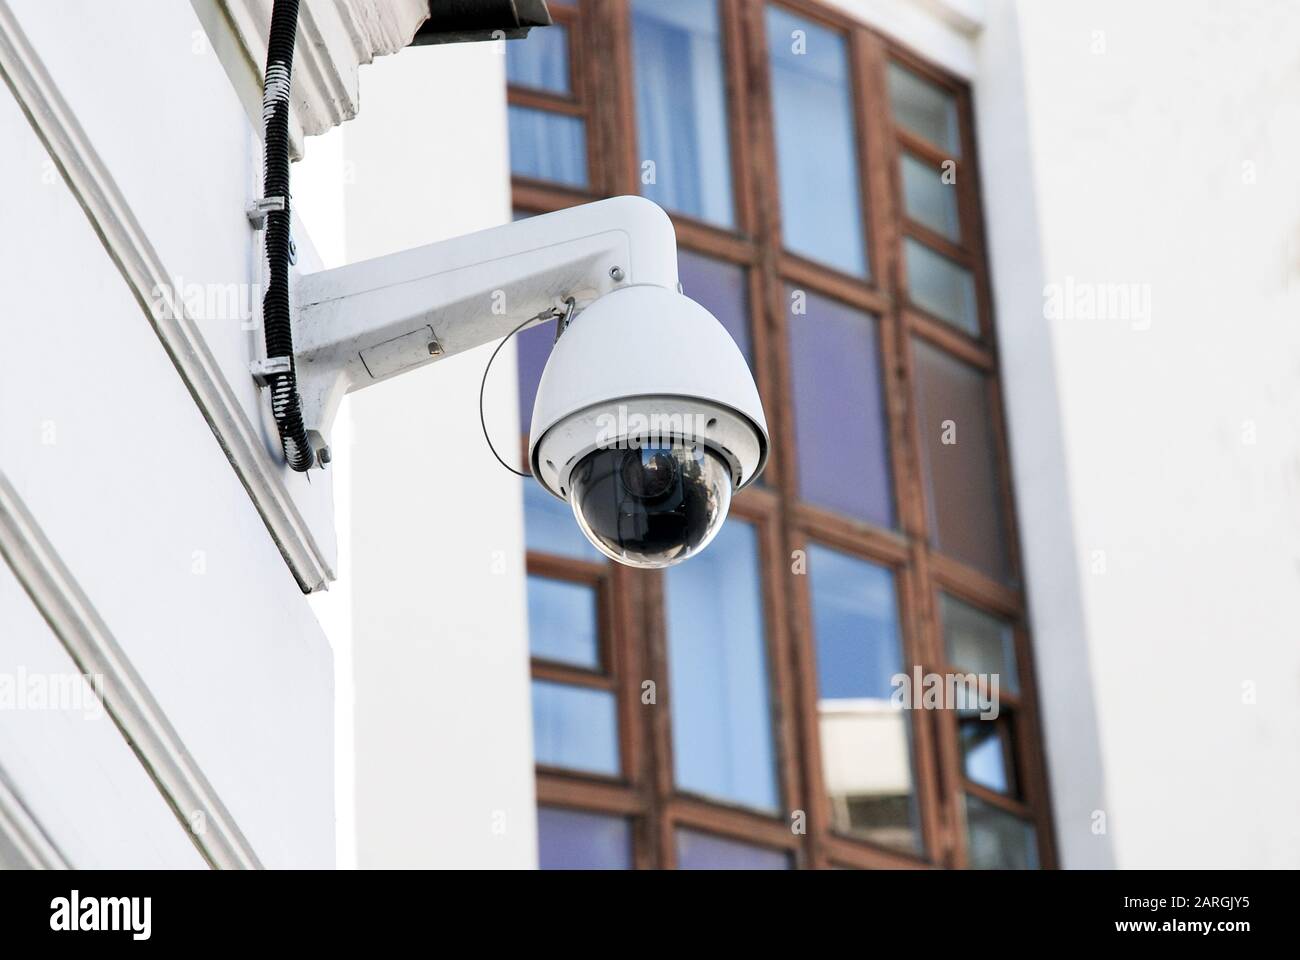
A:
x,y
637,361
639,364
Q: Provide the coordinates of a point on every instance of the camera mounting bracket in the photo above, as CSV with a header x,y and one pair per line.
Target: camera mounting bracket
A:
x,y
363,323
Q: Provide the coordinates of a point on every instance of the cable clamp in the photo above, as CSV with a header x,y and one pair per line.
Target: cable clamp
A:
x,y
263,370
258,209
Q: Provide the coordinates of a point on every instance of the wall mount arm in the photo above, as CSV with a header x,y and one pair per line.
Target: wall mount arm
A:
x,y
366,322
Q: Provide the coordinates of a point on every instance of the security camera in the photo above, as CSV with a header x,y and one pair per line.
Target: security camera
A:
x,y
647,419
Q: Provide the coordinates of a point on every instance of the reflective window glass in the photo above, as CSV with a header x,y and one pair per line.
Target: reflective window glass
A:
x,y
540,61
562,623
941,287
960,462
575,727
704,851
841,434
547,146
681,107
718,672
927,199
865,737
578,840
997,840
924,109
816,148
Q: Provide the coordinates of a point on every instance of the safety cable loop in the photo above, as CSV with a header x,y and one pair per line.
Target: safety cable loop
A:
x,y
561,324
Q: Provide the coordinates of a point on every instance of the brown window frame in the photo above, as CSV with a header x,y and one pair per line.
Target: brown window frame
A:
x,y
631,601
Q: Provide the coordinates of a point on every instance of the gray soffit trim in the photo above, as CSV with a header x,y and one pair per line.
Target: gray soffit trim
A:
x,y
130,249
127,700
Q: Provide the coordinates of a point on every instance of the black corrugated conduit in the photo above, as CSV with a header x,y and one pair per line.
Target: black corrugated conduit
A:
x,y
276,321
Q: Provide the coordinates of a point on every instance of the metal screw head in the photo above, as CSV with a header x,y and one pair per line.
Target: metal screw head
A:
x,y
323,456
616,274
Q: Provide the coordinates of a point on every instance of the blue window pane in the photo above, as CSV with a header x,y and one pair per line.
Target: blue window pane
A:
x,y
816,153
927,199
562,622
996,840
839,410
703,851
982,755
575,840
717,661
721,288
855,621
548,146
682,107
865,738
941,287
924,109
540,61
549,526
575,728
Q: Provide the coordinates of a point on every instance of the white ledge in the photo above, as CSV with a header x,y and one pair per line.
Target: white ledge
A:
x,y
334,38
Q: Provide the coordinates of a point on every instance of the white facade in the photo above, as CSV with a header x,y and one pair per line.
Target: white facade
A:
x,y
443,772
148,528
1159,151
1141,209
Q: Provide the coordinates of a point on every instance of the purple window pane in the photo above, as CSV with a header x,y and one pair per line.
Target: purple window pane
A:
x,y
839,410
703,851
573,840
534,346
722,289
957,452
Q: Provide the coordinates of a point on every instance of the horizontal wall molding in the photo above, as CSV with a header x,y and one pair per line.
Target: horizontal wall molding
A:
x,y
127,699
130,249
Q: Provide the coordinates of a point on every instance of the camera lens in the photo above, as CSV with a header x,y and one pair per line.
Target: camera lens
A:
x,y
652,506
649,474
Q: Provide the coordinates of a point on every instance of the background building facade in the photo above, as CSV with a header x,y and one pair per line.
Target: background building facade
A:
x,y
1095,161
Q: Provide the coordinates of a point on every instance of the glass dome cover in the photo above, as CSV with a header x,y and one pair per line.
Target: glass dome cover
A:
x,y
652,506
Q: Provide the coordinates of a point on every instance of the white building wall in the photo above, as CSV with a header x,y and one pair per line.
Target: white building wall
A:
x,y
443,744
95,802
106,447
1163,145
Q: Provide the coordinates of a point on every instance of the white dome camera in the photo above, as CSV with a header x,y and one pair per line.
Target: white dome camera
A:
x,y
647,419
